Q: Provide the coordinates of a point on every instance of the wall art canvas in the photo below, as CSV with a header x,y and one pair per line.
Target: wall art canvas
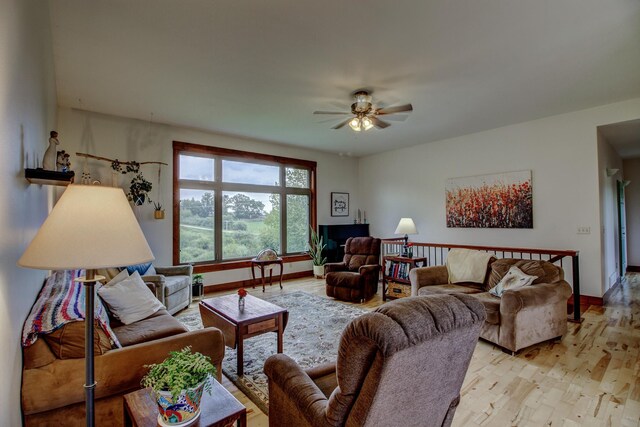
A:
x,y
339,204
502,200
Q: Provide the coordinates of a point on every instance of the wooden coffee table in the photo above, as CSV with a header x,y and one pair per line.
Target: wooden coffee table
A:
x,y
257,317
218,409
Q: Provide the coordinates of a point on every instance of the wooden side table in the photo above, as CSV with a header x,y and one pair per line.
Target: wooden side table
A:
x,y
256,318
218,409
262,264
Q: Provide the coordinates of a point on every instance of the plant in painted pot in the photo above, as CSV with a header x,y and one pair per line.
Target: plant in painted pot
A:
x,y
139,190
178,383
316,247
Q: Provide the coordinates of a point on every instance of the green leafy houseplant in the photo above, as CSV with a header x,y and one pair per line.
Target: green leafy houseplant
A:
x,y
315,249
180,371
139,190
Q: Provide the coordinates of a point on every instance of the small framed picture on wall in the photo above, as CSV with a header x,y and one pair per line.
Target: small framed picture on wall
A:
x,y
339,204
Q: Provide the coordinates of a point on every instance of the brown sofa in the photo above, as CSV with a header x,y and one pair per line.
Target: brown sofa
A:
x,y
356,277
52,379
400,365
522,317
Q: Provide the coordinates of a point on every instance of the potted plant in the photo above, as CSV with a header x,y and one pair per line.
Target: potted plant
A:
x,y
139,190
315,252
197,285
158,212
178,383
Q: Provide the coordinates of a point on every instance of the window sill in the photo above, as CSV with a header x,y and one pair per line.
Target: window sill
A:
x,y
245,263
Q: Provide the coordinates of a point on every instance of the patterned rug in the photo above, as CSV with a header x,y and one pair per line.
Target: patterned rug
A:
x,y
311,338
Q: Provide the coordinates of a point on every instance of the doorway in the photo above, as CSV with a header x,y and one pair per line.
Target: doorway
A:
x,y
622,229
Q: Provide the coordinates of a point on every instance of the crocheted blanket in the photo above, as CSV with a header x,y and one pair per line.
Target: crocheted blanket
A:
x,y
61,301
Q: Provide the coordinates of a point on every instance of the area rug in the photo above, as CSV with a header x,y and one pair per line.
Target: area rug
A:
x,y
311,337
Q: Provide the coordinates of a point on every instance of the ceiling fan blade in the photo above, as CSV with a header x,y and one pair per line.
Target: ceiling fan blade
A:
x,y
397,109
330,112
396,117
379,123
341,124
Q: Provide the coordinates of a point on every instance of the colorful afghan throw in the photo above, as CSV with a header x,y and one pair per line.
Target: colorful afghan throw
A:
x,y
61,301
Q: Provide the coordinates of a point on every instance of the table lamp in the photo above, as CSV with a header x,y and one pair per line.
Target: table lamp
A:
x,y
406,226
90,227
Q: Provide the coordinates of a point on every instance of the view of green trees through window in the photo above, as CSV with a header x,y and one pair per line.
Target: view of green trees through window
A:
x,y
250,220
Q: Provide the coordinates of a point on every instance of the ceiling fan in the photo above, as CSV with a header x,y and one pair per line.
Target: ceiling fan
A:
x,y
365,116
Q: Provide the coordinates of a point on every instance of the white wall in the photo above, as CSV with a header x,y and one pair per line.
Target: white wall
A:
x,y
27,114
610,243
632,202
560,150
128,139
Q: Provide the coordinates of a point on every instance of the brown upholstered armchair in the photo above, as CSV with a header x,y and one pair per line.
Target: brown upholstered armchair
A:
x,y
356,277
400,365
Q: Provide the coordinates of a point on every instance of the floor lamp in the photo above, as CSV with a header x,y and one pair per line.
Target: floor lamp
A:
x,y
90,227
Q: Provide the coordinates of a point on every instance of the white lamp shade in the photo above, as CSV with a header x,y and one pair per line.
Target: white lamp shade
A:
x,y
90,227
406,226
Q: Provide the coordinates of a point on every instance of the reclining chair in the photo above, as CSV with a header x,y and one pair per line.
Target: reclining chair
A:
x,y
400,365
356,277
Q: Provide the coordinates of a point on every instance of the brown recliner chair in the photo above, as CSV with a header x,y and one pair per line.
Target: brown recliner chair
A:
x,y
400,365
356,277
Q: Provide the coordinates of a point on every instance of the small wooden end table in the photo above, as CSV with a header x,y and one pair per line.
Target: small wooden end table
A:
x,y
218,409
262,264
257,317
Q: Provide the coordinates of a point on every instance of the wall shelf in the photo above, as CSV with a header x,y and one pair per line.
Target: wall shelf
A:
x,y
46,177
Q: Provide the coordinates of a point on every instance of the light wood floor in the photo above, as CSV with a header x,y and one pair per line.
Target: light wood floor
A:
x,y
590,378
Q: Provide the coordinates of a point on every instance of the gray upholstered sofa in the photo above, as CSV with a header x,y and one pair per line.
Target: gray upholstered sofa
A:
x,y
521,317
401,365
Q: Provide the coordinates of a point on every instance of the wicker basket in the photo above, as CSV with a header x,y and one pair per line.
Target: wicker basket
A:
x,y
398,290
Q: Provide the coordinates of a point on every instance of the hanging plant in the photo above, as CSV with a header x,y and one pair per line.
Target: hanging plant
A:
x,y
139,190
129,167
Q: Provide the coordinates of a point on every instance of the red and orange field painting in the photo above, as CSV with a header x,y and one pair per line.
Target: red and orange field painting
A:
x,y
501,200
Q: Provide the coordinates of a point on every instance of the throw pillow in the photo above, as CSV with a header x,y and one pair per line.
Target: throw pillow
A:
x,y
130,300
140,268
514,279
151,271
67,342
118,278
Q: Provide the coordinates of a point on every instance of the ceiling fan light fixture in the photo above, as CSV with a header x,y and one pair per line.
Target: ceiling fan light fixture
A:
x,y
367,123
355,124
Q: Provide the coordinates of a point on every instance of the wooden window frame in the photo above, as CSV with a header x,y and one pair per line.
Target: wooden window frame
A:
x,y
220,154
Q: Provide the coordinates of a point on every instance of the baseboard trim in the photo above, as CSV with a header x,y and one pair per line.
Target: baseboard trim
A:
x,y
610,291
585,300
257,282
633,268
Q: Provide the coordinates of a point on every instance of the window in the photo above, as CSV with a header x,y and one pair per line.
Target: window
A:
x,y
232,204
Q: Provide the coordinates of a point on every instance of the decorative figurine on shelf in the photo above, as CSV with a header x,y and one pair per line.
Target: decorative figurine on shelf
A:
x,y
50,156
63,162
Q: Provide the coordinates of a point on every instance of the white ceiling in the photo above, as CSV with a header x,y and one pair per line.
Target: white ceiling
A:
x,y
260,68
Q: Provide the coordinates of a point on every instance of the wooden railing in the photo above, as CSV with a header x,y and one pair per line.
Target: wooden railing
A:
x,y
436,254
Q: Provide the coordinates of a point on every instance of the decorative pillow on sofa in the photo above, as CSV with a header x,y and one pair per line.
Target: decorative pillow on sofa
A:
x,y
466,265
514,279
67,342
140,268
531,267
130,300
